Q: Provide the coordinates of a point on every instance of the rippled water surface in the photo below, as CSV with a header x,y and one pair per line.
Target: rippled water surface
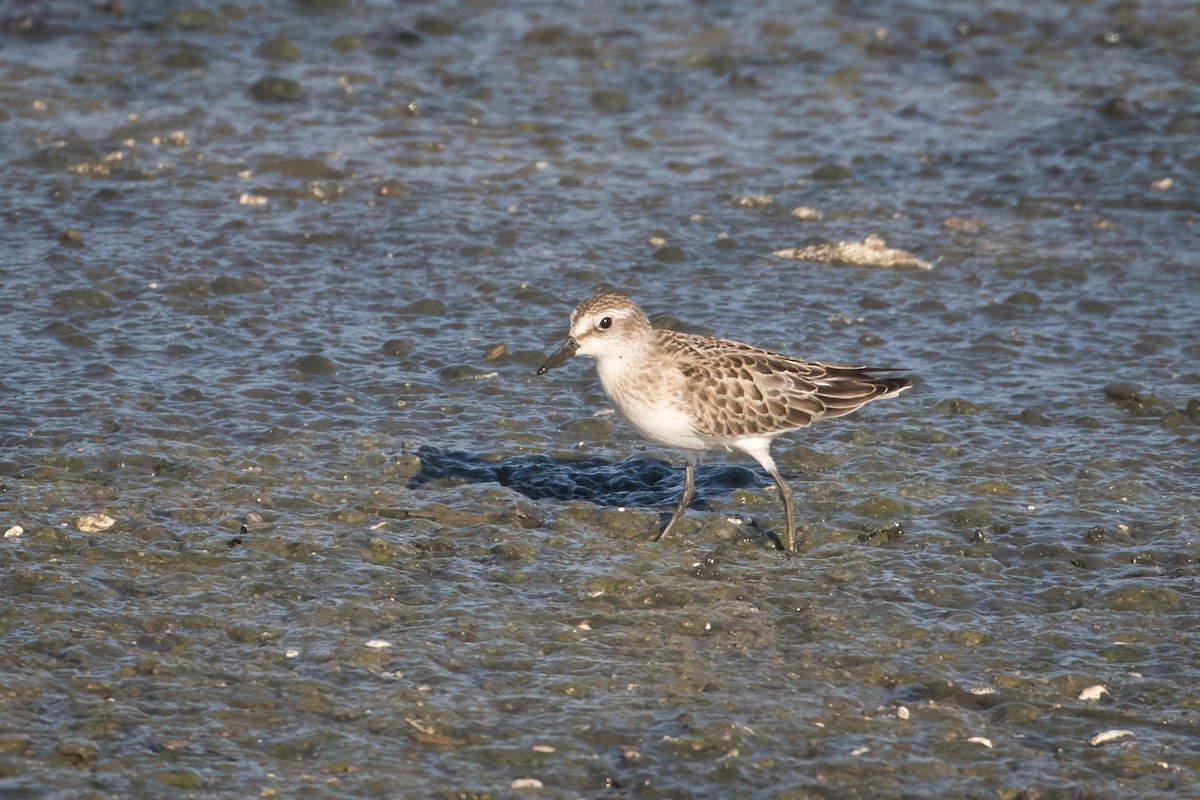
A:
x,y
289,513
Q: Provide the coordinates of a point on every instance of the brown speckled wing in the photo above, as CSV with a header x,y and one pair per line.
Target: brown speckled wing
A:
x,y
739,390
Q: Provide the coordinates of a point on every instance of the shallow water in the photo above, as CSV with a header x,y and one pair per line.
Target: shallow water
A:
x,y
353,556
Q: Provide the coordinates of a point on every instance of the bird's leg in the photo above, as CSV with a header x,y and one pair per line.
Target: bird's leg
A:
x,y
689,489
785,494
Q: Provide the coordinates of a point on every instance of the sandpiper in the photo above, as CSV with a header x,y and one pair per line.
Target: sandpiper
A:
x,y
698,393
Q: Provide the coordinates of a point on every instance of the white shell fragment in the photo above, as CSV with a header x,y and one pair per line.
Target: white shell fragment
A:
x,y
1108,736
379,644
754,201
94,523
14,532
526,783
806,213
1093,692
983,740
870,252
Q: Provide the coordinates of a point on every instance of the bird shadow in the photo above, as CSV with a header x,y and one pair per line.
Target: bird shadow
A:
x,y
637,482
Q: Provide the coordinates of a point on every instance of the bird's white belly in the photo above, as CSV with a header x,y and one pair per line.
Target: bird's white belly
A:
x,y
665,426
650,403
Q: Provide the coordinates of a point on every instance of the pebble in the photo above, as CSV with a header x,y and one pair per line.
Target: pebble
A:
x,y
14,532
379,644
71,237
610,102
1093,692
274,89
981,740
94,523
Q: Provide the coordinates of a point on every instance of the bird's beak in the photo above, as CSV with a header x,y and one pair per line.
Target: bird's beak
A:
x,y
559,356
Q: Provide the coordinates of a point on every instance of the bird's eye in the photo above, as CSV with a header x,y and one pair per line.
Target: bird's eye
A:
x,y
606,323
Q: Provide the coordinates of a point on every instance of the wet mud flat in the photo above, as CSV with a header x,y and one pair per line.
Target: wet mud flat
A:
x,y
286,512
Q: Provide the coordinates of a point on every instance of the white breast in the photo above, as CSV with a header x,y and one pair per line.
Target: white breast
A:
x,y
651,401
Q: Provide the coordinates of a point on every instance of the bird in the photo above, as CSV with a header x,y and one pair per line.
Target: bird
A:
x,y
701,393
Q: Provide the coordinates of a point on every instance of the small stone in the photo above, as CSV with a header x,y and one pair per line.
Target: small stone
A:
x,y
71,238
1093,692
429,307
14,532
1144,597
1172,420
69,299
392,188
958,406
609,101
184,59
348,43
495,352
1122,391
434,26
77,751
198,19
670,254
274,89
1095,534
229,284
464,372
396,347
278,49
322,6
1024,299
1034,416
181,779
832,172
982,740
1115,107
315,364
378,644
1090,305
94,523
